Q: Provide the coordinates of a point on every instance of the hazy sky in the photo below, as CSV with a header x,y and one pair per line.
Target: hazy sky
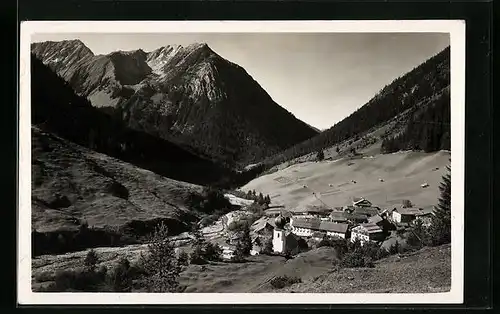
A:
x,y
320,77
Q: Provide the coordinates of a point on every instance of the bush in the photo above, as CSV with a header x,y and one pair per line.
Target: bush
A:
x,y
356,259
212,252
120,279
183,258
44,276
268,247
320,155
281,282
407,204
91,260
76,280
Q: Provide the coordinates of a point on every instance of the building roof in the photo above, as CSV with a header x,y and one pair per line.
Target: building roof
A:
x,y
262,225
317,224
369,228
375,219
409,211
356,216
312,223
318,209
338,216
361,201
333,226
369,211
425,211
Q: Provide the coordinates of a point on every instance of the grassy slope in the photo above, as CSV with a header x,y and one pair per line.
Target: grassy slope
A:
x,y
402,172
86,179
424,271
427,270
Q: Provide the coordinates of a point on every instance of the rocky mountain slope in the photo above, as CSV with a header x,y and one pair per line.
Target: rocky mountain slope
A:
x,y
413,112
56,108
190,95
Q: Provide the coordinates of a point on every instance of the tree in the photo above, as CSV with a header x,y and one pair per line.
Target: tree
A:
x,y
320,155
246,240
183,258
268,246
267,200
440,227
407,204
91,260
161,263
212,252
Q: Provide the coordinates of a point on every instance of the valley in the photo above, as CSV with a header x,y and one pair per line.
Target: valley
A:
x,y
180,137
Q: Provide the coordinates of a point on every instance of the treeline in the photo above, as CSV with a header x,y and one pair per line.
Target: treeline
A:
x,y
134,232
56,108
428,129
424,81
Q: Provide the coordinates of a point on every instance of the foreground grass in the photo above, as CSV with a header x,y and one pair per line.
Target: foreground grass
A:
x,y
425,271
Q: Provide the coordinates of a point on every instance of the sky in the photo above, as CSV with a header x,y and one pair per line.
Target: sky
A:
x,y
319,77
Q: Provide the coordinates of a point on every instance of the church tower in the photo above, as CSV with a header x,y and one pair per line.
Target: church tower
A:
x,y
279,237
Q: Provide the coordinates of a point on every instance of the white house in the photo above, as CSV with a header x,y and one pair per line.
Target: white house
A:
x,y
306,228
425,215
367,232
405,215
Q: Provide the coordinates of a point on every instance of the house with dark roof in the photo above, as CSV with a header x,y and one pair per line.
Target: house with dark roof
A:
x,y
367,232
356,218
307,227
360,201
382,222
425,215
407,215
338,216
366,210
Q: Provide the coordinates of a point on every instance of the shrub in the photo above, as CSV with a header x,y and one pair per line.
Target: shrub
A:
x,y
395,248
418,236
212,252
76,280
320,155
356,259
281,282
44,276
91,260
268,246
120,278
183,258
407,204
238,256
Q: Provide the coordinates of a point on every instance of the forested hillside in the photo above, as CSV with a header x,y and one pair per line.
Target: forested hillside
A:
x,y
422,87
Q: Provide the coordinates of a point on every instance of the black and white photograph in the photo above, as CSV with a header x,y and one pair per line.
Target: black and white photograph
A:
x,y
274,162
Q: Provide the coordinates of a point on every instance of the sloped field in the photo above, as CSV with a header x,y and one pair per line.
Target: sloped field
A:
x,y
384,179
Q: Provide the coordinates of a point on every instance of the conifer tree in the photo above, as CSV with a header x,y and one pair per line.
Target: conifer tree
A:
x,y
161,262
440,228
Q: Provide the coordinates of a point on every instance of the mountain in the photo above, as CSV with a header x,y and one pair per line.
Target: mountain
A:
x,y
73,185
57,109
189,95
412,112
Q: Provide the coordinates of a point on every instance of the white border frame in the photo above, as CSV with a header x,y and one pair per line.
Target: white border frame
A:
x,y
456,29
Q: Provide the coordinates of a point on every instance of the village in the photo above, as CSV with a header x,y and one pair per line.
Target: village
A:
x,y
281,231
